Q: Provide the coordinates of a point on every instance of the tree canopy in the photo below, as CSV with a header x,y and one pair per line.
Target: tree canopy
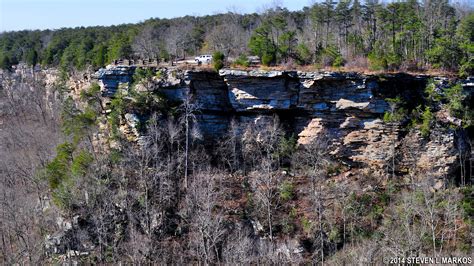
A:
x,y
401,35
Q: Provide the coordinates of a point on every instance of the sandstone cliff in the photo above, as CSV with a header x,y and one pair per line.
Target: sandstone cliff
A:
x,y
344,109
141,191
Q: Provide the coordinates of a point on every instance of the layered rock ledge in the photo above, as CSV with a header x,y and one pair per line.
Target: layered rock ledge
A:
x,y
345,109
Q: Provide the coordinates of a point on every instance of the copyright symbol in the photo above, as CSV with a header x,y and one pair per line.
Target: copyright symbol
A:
x,y
386,260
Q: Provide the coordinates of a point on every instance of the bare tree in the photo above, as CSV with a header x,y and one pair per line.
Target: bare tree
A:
x,y
147,43
260,149
312,159
158,137
239,247
404,236
228,38
265,186
439,212
188,119
228,150
178,40
29,132
260,141
208,226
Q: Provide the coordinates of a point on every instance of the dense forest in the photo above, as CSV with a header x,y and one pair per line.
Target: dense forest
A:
x,y
400,35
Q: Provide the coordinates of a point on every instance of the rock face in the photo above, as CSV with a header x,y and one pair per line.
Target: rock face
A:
x,y
111,77
344,109
274,90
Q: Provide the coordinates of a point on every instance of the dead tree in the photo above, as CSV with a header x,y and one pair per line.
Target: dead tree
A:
x,y
206,219
313,159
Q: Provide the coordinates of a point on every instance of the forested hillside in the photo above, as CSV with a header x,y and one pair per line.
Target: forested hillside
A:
x,y
402,35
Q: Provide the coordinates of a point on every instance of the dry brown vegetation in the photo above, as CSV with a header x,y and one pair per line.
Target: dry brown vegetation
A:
x,y
253,197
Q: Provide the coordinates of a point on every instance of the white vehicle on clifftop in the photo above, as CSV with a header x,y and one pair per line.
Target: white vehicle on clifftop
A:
x,y
203,59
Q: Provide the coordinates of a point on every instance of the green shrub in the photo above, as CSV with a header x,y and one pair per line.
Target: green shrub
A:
x,y
427,118
142,74
368,204
261,43
332,57
287,225
335,235
293,213
334,168
62,195
218,60
458,106
268,59
80,163
384,197
307,224
114,122
287,191
58,175
57,170
160,74
467,68
5,62
445,53
467,203
32,57
91,93
415,115
287,146
304,55
242,60
115,156
397,113
455,98
338,61
117,108
77,123
397,116
63,171
377,62
83,122
431,93
164,54
387,117
145,103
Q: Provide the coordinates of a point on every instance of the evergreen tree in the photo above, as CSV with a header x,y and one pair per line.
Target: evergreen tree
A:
x,y
287,45
99,55
397,35
5,62
466,36
32,57
119,47
261,44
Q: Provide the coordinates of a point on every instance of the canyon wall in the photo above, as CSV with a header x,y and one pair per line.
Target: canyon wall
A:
x,y
344,109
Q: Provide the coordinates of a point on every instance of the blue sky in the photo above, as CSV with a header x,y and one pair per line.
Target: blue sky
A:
x,y
53,14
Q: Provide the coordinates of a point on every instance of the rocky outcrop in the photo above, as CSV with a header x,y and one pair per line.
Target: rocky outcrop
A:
x,y
345,109
111,77
257,90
